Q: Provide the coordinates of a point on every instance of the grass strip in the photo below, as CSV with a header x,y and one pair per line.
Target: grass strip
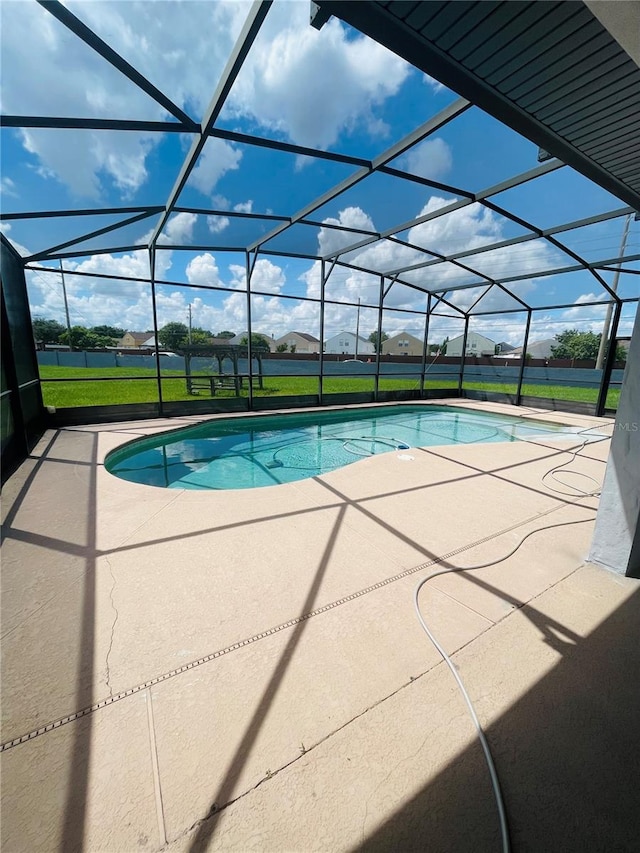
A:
x,y
117,386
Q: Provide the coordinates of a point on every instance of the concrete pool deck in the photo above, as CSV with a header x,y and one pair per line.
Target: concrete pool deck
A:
x,y
243,670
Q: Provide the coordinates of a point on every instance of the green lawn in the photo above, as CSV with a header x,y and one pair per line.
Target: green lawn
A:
x,y
111,390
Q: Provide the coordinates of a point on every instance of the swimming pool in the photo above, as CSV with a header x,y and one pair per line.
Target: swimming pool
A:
x,y
251,452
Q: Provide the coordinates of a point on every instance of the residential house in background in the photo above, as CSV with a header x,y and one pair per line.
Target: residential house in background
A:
x,y
237,340
503,347
624,343
344,343
134,340
536,349
301,341
403,344
477,344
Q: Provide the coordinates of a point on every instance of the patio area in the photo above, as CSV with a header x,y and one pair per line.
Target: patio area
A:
x,y
244,670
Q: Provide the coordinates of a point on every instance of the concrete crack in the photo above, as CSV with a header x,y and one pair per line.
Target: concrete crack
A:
x,y
113,628
217,808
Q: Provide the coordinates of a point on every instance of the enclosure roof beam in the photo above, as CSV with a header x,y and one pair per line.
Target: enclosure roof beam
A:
x,y
524,238
55,8
470,198
60,123
247,36
46,214
506,77
431,126
288,147
135,247
84,237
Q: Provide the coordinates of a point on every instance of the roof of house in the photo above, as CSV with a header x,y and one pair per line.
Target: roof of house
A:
x,y
237,339
139,337
304,335
539,346
347,332
471,335
402,334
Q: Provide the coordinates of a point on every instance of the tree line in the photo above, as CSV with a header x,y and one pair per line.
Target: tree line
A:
x,y
581,345
571,343
170,336
77,337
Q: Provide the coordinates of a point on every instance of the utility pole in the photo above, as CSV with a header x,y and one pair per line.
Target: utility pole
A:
x,y
66,305
614,286
357,327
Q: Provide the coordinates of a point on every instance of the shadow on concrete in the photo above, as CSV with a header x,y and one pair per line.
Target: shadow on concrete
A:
x,y
567,754
78,668
70,650
79,760
224,794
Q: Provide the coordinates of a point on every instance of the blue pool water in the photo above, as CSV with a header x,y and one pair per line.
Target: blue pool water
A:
x,y
249,452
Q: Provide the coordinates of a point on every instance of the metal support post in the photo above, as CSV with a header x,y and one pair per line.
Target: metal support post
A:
x,y
614,287
464,352
321,353
376,385
425,347
249,269
523,360
608,362
66,305
152,270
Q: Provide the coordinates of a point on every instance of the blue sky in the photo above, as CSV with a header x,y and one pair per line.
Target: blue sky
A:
x,y
332,90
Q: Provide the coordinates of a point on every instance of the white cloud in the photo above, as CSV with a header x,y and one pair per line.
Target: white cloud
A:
x,y
289,83
244,206
468,227
8,187
203,269
86,161
312,85
585,315
265,276
69,79
179,229
434,84
432,158
5,227
589,298
330,240
217,158
133,265
97,300
216,224
161,40
181,49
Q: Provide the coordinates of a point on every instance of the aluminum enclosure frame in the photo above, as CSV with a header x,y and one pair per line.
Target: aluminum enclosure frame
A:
x,y
200,132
